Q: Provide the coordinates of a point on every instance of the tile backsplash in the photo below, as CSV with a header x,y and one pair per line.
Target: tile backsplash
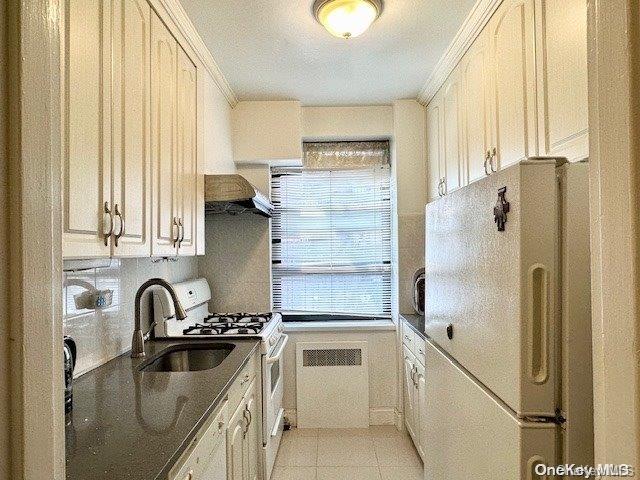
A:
x,y
104,334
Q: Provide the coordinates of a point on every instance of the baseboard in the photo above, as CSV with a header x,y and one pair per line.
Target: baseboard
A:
x,y
377,416
382,416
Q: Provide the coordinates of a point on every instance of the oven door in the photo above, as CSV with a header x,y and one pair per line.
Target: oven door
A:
x,y
272,411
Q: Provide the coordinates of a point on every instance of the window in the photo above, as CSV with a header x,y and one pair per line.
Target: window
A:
x,y
331,240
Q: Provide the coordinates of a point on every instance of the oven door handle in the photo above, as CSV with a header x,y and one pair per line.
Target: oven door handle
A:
x,y
276,357
277,426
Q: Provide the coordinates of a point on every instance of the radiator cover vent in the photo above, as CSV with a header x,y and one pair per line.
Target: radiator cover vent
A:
x,y
332,357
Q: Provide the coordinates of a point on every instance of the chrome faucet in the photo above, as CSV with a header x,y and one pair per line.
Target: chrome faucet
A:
x,y
137,342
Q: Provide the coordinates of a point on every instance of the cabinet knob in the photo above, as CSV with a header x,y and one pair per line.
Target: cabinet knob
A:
x,y
450,331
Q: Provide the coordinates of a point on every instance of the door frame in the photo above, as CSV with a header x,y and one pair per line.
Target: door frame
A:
x,y
614,118
35,245
35,223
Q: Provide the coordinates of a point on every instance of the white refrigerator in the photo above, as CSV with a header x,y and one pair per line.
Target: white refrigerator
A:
x,y
507,316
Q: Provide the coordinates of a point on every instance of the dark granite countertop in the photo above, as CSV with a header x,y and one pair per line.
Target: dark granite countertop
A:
x,y
416,322
129,425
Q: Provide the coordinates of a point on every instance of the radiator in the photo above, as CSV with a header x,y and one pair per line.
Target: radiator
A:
x,y
332,384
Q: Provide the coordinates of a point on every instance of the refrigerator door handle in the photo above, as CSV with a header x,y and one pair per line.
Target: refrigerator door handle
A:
x,y
539,312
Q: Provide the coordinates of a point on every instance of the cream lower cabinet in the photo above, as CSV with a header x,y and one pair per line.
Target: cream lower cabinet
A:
x,y
130,156
242,438
414,399
409,392
206,456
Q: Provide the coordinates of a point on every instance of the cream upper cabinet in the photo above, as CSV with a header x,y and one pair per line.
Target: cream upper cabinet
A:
x,y
187,166
476,111
561,31
131,128
87,208
435,169
164,69
130,139
453,160
512,36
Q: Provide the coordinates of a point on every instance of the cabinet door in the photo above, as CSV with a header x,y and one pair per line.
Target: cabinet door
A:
x,y
513,78
132,128
434,146
251,437
236,444
86,136
215,467
451,119
420,398
187,153
561,34
477,132
163,139
409,392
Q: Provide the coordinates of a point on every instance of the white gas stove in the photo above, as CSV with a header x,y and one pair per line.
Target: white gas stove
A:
x,y
194,296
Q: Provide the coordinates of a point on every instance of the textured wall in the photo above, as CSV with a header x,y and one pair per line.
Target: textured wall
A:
x,y
101,335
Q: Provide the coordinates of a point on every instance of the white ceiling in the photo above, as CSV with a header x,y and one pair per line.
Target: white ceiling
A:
x,y
275,50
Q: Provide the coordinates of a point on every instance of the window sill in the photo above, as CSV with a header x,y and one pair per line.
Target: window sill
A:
x,y
340,326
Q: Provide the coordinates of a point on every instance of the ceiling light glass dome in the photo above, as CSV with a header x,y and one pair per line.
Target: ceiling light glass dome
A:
x,y
347,18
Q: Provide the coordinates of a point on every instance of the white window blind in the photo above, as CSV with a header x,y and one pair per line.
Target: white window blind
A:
x,y
331,241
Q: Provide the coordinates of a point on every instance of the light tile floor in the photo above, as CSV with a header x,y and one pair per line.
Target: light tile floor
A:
x,y
375,453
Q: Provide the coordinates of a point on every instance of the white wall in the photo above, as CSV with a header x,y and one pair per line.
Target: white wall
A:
x,y
383,394
409,125
347,123
217,148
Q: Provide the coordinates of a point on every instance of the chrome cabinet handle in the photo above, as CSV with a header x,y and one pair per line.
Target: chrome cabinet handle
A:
x,y
494,155
175,232
245,379
189,475
407,337
107,233
181,225
220,427
121,232
444,186
487,156
247,416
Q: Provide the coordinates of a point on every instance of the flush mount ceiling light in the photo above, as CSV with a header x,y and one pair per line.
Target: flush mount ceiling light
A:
x,y
347,18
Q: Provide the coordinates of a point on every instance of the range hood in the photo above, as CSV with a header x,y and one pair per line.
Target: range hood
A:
x,y
233,194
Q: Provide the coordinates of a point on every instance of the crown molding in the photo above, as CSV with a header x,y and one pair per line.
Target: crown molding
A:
x,y
187,29
475,22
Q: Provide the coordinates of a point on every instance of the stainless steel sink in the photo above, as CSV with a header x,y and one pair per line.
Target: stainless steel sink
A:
x,y
188,358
